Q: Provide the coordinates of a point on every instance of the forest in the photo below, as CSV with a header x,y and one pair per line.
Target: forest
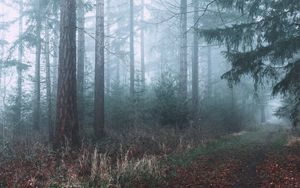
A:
x,y
149,93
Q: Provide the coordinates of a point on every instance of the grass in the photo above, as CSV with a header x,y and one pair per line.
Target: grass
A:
x,y
89,168
231,142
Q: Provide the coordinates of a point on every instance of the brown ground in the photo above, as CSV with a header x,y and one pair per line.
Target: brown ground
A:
x,y
255,166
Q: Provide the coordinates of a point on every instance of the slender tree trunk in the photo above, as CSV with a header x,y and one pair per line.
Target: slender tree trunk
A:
x,y
37,83
48,87
132,74
80,62
232,98
118,74
67,128
195,71
162,63
143,71
262,109
209,73
55,57
183,50
99,71
19,71
263,114
108,61
55,69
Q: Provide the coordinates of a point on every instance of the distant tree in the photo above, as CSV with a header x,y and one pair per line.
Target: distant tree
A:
x,y
48,82
195,61
38,5
108,46
266,46
55,44
143,44
183,50
81,60
209,72
132,61
19,70
99,71
66,110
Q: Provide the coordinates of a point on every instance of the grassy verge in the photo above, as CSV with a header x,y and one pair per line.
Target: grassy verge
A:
x,y
238,143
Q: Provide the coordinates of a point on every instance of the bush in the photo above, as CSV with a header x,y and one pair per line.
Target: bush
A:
x,y
169,108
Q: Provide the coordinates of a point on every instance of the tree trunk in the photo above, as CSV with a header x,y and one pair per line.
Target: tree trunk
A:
x,y
262,108
19,72
143,46
118,74
195,71
48,87
132,74
209,73
55,69
108,61
66,117
263,114
99,71
183,50
80,62
37,83
55,57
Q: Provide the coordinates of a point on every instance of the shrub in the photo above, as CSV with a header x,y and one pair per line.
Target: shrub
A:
x,y
169,107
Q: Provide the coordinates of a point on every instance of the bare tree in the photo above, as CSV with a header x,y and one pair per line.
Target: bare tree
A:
x,y
209,72
143,44
195,61
37,80
48,85
19,70
183,50
80,61
108,60
132,74
99,71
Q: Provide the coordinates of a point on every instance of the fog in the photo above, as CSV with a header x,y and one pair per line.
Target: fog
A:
x,y
144,78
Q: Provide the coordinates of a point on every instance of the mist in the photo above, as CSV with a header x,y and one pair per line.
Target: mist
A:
x,y
146,93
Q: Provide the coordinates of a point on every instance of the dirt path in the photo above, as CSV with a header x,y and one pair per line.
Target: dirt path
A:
x,y
246,166
249,176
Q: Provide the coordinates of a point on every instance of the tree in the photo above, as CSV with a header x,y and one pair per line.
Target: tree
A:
x,y
37,79
99,71
266,46
66,110
209,72
132,74
183,50
80,61
55,43
143,44
195,61
48,84
108,45
19,70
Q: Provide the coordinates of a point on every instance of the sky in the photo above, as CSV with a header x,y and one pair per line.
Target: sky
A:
x,y
11,14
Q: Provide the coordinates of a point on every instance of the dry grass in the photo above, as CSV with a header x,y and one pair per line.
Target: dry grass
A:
x,y
292,141
129,159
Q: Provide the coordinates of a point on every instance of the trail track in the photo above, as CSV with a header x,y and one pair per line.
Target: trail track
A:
x,y
260,161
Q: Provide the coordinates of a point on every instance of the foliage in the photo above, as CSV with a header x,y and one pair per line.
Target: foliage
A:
x,y
264,46
169,107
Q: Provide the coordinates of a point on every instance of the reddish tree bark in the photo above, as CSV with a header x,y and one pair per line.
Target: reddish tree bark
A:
x,y
66,114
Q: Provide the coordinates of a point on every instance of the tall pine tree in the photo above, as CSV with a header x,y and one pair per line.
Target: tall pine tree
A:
x,y
266,46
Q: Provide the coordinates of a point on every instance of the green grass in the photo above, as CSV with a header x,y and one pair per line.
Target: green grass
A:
x,y
237,143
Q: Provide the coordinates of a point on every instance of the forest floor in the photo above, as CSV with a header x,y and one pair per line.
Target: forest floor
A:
x,y
264,157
